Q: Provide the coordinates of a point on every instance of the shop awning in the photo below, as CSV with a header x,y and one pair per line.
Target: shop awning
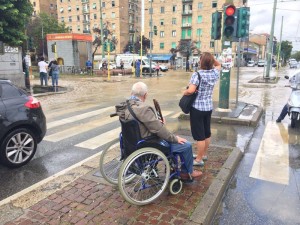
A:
x,y
250,50
157,57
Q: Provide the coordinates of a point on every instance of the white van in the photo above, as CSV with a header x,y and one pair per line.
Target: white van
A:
x,y
128,60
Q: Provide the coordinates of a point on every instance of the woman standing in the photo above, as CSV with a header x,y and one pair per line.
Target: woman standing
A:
x,y
200,114
55,72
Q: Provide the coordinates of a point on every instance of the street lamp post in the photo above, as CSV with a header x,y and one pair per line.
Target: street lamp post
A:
x,y
151,35
101,25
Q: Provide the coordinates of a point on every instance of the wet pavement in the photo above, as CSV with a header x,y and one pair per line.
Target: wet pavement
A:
x,y
241,202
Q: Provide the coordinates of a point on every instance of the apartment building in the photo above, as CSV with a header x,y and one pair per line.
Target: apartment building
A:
x,y
183,19
122,16
44,6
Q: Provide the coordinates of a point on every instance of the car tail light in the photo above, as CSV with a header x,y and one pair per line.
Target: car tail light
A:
x,y
32,103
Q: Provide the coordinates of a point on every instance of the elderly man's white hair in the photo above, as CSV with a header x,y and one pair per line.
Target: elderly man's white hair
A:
x,y
139,89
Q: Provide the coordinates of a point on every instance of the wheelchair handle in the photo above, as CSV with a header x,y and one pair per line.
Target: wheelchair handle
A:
x,y
113,114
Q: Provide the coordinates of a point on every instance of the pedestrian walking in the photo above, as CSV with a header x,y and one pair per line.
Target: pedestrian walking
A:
x,y
157,67
26,71
122,66
196,66
43,66
137,68
88,65
187,66
55,73
200,114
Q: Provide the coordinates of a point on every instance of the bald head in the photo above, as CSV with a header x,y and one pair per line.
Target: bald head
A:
x,y
139,89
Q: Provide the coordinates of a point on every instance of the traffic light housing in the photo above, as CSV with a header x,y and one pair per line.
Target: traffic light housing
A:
x,y
53,48
216,26
243,16
229,22
30,43
105,46
155,30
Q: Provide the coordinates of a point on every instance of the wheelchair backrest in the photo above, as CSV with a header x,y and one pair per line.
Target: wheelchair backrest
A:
x,y
131,135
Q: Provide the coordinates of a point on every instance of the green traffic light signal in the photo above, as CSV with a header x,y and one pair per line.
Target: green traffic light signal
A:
x,y
216,25
229,22
243,16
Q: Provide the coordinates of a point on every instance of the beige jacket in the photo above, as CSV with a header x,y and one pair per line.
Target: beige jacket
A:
x,y
147,115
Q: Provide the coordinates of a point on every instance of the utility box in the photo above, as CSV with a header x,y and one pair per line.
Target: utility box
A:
x,y
70,49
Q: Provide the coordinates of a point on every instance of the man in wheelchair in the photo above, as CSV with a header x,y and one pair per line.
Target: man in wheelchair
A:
x,y
150,126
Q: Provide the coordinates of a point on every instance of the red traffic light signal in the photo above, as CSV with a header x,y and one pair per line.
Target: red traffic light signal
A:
x,y
230,10
229,25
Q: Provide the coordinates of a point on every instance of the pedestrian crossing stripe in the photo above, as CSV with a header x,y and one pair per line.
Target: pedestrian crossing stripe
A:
x,y
272,159
79,117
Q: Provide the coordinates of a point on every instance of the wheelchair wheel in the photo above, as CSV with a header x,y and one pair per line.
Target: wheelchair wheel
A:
x,y
110,163
152,170
175,186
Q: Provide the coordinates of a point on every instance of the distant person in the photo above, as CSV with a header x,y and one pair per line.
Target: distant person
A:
x,y
50,70
43,66
196,66
104,65
88,65
187,66
122,66
137,68
157,67
26,71
55,73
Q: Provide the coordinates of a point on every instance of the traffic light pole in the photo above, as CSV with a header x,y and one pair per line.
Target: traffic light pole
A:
x,y
151,35
101,26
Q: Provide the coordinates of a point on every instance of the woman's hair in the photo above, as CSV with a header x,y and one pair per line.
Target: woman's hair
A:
x,y
207,61
139,89
55,62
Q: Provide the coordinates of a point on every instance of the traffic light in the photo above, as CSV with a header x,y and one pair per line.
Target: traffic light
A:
x,y
155,30
243,15
229,22
216,26
53,47
105,46
30,43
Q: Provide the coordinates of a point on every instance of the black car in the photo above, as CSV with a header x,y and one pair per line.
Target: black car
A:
x,y
22,125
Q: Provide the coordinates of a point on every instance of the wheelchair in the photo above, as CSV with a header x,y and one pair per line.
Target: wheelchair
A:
x,y
141,167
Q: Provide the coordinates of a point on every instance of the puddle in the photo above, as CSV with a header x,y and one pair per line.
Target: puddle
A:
x,y
37,89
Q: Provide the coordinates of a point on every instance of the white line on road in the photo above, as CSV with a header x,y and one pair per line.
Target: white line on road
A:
x,y
78,117
272,159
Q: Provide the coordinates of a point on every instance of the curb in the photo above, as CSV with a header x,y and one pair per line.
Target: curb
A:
x,y
206,209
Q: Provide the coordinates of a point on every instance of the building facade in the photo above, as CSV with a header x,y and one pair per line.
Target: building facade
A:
x,y
44,6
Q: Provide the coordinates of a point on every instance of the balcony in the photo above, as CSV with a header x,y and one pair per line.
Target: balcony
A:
x,y
186,25
85,11
187,12
187,1
86,31
86,22
84,1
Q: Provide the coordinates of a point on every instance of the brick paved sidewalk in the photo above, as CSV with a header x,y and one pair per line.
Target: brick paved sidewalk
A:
x,y
88,202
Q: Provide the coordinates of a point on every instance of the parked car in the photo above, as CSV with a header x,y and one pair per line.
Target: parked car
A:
x,y
251,63
162,67
261,63
293,63
111,66
22,125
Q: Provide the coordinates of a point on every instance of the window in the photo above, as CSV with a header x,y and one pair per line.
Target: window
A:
x,y
199,32
9,91
161,45
113,15
94,6
78,18
103,15
199,44
214,4
212,44
113,4
173,20
103,4
70,18
161,22
61,10
199,19
162,34
200,5
95,16
173,44
113,26
174,8
51,6
34,4
173,33
62,19
78,27
69,8
70,28
189,33
162,9
77,7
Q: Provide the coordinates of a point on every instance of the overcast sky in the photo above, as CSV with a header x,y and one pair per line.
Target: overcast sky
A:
x,y
261,19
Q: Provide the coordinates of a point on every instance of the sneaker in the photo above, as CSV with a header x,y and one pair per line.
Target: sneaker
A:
x,y
194,156
205,158
196,163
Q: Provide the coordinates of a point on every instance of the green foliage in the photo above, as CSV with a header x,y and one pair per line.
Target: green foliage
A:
x,y
14,16
186,48
296,56
42,25
136,47
286,49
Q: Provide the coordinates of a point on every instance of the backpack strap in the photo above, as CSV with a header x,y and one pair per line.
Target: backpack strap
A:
x,y
199,77
131,111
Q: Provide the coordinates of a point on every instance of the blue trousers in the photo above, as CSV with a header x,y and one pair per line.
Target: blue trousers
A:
x,y
43,77
283,113
187,153
54,78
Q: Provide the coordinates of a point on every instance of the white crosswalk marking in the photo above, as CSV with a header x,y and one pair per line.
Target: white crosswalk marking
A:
x,y
272,159
58,136
78,117
100,140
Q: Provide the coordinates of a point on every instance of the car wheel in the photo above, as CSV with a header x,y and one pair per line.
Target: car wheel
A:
x,y
18,148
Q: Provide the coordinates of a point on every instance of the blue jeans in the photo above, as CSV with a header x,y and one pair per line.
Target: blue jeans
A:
x,y
187,153
54,78
283,113
43,77
137,71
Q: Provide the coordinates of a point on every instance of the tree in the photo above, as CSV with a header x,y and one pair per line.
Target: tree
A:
x,y
286,49
187,48
137,46
39,27
14,17
296,56
173,57
108,35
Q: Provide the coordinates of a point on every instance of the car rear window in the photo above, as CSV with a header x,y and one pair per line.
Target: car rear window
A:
x,y
9,91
